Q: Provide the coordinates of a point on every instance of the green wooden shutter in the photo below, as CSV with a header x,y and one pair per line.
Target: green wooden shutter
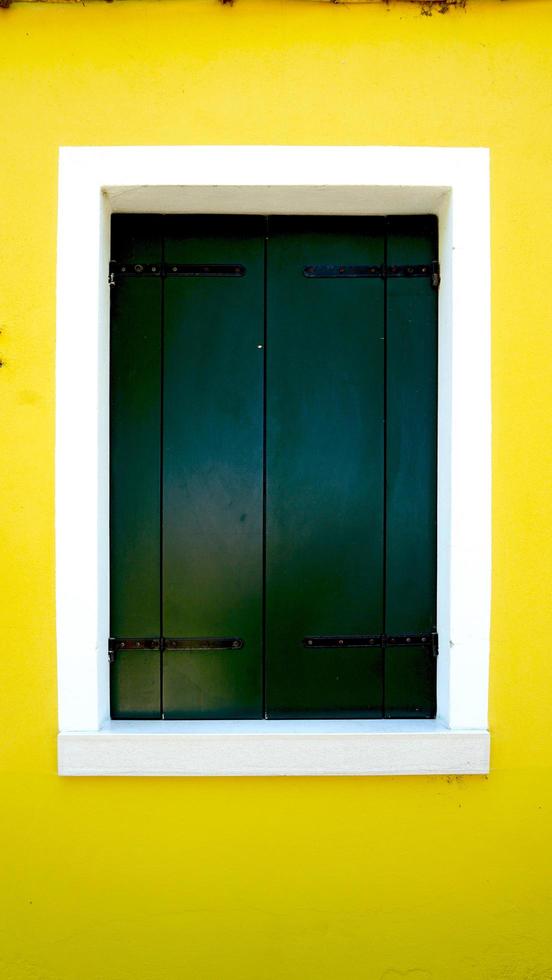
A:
x,y
212,467
135,484
283,582
411,468
325,467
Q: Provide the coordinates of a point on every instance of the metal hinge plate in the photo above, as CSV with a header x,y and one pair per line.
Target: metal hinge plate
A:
x,y
162,270
118,644
366,641
428,270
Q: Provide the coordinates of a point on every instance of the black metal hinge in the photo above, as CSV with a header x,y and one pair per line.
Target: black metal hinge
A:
x,y
429,270
366,641
118,644
162,270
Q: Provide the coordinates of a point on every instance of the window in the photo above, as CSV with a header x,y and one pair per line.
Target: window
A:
x,y
273,467
94,183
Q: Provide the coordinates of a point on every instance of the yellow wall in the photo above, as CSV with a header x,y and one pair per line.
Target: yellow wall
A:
x,y
380,879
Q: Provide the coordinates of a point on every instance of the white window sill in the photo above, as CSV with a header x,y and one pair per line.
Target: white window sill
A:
x,y
273,748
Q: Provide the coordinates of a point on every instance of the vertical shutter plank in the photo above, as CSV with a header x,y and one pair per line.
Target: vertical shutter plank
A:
x,y
212,459
135,469
324,531
411,468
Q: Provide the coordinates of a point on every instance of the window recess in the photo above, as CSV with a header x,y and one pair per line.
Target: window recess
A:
x,y
273,467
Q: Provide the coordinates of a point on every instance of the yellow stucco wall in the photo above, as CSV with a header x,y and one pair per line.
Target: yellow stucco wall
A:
x,y
380,879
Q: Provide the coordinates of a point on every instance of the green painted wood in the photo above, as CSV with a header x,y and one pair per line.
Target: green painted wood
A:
x,y
410,682
136,685
136,238
411,468
212,466
330,377
135,494
324,459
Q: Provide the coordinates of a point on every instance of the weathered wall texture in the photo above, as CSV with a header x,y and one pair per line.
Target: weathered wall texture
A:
x,y
382,879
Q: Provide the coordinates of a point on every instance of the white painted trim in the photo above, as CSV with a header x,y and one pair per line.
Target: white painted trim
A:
x,y
268,749
95,181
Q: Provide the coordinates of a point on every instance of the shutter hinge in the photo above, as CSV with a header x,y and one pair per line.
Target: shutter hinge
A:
x,y
366,641
427,270
178,644
163,270
114,645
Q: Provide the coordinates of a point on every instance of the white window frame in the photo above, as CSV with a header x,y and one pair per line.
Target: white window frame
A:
x,y
452,183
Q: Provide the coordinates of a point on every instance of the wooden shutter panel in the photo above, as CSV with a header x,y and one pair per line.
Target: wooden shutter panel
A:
x,y
411,468
276,582
325,467
135,484
212,466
